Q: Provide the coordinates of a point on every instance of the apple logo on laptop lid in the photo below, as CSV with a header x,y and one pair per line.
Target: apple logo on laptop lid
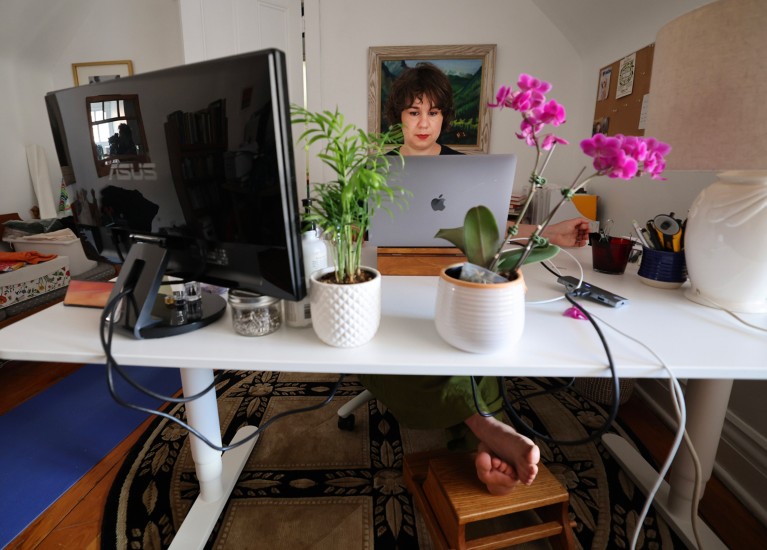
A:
x,y
438,203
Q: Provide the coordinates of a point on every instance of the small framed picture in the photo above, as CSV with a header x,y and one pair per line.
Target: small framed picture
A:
x,y
99,71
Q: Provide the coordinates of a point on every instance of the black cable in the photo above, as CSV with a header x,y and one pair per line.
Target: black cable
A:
x,y
111,362
507,406
530,432
108,320
500,379
476,400
550,391
547,268
201,437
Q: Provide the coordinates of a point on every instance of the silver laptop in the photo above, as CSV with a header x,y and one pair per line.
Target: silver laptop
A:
x,y
444,188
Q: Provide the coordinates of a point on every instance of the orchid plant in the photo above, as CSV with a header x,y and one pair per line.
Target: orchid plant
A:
x,y
623,157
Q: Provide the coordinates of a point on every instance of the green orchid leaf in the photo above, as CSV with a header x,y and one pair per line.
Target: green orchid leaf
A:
x,y
481,237
453,235
539,254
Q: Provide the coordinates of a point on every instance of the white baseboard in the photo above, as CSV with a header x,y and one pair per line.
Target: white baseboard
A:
x,y
741,459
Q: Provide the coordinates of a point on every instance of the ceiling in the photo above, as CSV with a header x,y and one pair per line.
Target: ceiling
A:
x,y
588,23
39,28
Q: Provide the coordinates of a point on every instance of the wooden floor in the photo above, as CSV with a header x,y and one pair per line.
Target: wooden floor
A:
x,y
74,521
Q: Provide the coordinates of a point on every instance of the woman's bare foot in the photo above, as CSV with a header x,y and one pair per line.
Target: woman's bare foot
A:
x,y
499,477
518,455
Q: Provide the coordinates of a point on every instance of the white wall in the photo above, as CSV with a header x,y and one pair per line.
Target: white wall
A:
x,y
39,41
526,42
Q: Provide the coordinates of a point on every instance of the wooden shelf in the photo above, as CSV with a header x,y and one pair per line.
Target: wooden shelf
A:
x,y
416,260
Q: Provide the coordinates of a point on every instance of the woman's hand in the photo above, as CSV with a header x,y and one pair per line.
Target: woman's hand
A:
x,y
574,232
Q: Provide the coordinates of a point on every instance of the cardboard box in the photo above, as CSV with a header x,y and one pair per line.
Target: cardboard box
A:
x,y
33,280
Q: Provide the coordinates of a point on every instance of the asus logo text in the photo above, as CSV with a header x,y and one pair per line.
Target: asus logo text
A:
x,y
143,172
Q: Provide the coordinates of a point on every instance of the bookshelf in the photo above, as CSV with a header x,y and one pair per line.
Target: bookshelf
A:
x,y
196,143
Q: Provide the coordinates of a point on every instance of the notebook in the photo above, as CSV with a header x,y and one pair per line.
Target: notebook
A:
x,y
444,188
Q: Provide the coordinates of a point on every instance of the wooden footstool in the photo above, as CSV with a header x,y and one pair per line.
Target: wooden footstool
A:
x,y
446,490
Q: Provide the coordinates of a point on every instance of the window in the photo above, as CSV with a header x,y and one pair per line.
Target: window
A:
x,y
117,132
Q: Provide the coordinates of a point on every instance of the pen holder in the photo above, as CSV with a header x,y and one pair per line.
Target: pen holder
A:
x,y
609,254
662,268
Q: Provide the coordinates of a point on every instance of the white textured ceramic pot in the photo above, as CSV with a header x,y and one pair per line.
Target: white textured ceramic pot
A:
x,y
346,316
479,318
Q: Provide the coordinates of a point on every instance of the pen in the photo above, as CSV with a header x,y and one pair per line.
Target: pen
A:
x,y
652,236
640,234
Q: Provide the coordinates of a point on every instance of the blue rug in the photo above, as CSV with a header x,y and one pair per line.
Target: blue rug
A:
x,y
52,440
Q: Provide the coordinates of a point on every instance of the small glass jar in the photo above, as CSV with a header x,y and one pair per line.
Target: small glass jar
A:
x,y
254,314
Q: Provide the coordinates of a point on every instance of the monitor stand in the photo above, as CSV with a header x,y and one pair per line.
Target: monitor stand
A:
x,y
146,313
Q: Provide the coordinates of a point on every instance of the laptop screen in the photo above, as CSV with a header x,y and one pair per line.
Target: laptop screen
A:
x,y
444,188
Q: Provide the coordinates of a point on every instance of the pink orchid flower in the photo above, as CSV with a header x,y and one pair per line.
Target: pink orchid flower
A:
x,y
527,82
551,113
504,94
550,140
623,157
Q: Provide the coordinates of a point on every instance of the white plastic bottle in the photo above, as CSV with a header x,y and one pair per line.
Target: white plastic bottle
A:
x,y
298,314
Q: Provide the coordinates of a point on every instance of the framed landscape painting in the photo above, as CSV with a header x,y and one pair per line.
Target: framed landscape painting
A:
x,y
470,69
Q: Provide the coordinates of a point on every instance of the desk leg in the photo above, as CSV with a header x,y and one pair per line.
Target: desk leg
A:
x,y
706,408
217,474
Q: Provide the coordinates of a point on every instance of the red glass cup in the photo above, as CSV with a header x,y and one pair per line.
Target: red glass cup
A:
x,y
610,254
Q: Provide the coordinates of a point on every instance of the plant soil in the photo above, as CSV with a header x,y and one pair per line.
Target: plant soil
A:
x,y
362,277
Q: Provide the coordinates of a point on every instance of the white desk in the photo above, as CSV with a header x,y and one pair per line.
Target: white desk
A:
x,y
696,342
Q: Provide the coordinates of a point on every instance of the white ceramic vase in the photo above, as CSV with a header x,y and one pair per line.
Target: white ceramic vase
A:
x,y
345,316
479,318
726,243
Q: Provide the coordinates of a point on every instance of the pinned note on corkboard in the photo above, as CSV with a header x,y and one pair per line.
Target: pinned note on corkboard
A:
x,y
622,94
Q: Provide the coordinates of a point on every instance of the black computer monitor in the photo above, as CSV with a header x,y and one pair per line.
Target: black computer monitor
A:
x,y
189,172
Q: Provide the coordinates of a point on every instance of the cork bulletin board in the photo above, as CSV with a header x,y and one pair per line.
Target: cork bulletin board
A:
x,y
622,96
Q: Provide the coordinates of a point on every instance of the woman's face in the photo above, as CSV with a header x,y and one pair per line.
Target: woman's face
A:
x,y
421,126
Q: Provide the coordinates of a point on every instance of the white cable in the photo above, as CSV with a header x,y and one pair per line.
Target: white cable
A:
x,y
677,397
554,268
696,496
719,306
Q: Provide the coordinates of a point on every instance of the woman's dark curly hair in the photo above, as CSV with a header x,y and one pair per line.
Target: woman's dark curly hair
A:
x,y
425,79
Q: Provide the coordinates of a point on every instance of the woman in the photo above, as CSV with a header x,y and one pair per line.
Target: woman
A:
x,y
422,100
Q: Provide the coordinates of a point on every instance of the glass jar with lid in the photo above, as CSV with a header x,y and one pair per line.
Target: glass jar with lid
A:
x,y
254,314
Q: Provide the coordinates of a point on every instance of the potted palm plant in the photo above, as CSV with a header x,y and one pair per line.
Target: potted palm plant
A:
x,y
480,304
346,298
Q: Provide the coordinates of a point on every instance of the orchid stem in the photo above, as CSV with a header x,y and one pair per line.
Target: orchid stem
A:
x,y
566,195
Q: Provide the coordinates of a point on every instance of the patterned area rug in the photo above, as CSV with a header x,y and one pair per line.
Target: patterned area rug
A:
x,y
309,485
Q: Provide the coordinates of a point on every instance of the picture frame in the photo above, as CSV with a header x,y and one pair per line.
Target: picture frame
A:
x,y
96,71
470,132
